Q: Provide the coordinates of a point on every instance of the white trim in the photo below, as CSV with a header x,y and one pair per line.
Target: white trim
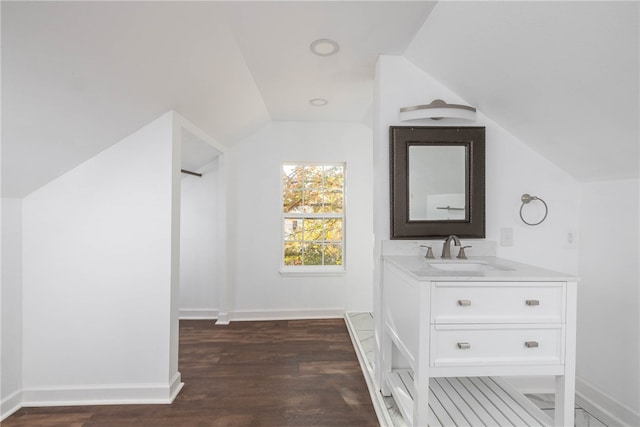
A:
x,y
312,271
223,262
10,404
384,419
195,130
197,314
246,315
223,318
103,394
175,386
604,407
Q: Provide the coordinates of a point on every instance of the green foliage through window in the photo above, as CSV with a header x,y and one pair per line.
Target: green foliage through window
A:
x,y
313,214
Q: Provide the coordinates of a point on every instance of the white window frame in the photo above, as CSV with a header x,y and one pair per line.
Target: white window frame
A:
x,y
313,270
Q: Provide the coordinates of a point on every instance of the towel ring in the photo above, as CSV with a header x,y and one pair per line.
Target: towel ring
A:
x,y
526,198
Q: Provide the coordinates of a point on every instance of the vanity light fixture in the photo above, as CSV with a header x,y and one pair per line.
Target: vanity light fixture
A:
x,y
324,47
318,102
437,110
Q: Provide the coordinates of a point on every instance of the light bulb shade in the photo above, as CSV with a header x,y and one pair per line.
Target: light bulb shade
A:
x,y
438,109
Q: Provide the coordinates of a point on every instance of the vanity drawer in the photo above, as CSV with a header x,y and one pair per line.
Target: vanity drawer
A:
x,y
481,345
497,302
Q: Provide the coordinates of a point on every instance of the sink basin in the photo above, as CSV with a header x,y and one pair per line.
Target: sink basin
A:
x,y
465,266
462,266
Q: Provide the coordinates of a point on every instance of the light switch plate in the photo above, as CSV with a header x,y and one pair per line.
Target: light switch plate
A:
x,y
571,239
506,236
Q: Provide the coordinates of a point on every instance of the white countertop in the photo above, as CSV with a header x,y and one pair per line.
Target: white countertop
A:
x,y
484,269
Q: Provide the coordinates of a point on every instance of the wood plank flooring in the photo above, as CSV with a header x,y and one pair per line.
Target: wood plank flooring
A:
x,y
275,373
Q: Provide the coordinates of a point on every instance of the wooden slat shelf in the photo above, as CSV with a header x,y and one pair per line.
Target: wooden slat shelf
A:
x,y
468,401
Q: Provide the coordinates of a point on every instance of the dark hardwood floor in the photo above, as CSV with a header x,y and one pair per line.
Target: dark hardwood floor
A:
x,y
275,373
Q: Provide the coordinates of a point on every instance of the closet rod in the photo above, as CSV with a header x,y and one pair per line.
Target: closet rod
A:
x,y
190,173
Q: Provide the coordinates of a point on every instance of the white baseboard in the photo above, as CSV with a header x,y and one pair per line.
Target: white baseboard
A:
x,y
223,318
175,386
10,404
108,394
197,314
603,406
247,315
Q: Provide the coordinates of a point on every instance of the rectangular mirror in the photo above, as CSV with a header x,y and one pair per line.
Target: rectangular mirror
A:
x,y
437,182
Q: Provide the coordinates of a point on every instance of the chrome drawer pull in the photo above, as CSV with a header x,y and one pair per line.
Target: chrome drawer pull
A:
x,y
531,344
464,345
464,302
532,302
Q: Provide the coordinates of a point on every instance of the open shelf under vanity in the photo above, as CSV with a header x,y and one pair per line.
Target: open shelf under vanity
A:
x,y
465,401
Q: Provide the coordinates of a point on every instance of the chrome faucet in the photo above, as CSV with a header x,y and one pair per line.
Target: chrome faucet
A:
x,y
446,247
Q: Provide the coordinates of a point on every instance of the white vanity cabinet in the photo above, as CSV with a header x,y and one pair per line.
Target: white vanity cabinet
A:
x,y
516,321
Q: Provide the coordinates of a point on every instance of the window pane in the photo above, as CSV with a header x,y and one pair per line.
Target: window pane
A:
x,y
333,229
291,200
333,201
334,177
313,201
293,253
333,254
313,229
293,229
292,176
313,177
313,254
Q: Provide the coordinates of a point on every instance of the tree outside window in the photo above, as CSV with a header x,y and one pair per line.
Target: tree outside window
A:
x,y
313,214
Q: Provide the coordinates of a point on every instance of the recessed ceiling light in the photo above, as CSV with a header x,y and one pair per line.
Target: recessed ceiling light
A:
x,y
324,47
318,102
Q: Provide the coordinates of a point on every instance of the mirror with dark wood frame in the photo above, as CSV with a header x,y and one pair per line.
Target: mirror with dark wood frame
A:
x,y
437,182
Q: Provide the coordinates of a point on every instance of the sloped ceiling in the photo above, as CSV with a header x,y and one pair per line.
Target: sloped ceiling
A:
x,y
79,76
561,76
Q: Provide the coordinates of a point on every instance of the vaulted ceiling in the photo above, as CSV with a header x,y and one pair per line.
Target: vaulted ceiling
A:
x,y
79,76
562,76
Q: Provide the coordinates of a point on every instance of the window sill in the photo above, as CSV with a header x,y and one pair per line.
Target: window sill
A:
x,y
313,271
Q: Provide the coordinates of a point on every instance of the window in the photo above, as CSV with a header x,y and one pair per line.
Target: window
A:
x,y
313,217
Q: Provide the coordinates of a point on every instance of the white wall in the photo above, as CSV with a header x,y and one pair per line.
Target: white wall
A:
x,y
199,216
608,298
100,267
258,289
11,321
512,169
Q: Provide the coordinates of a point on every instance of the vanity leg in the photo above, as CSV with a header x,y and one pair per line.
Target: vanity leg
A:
x,y
564,401
385,362
566,384
421,399
422,372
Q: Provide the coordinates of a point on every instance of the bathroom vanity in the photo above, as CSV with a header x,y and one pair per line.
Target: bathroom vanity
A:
x,y
452,328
